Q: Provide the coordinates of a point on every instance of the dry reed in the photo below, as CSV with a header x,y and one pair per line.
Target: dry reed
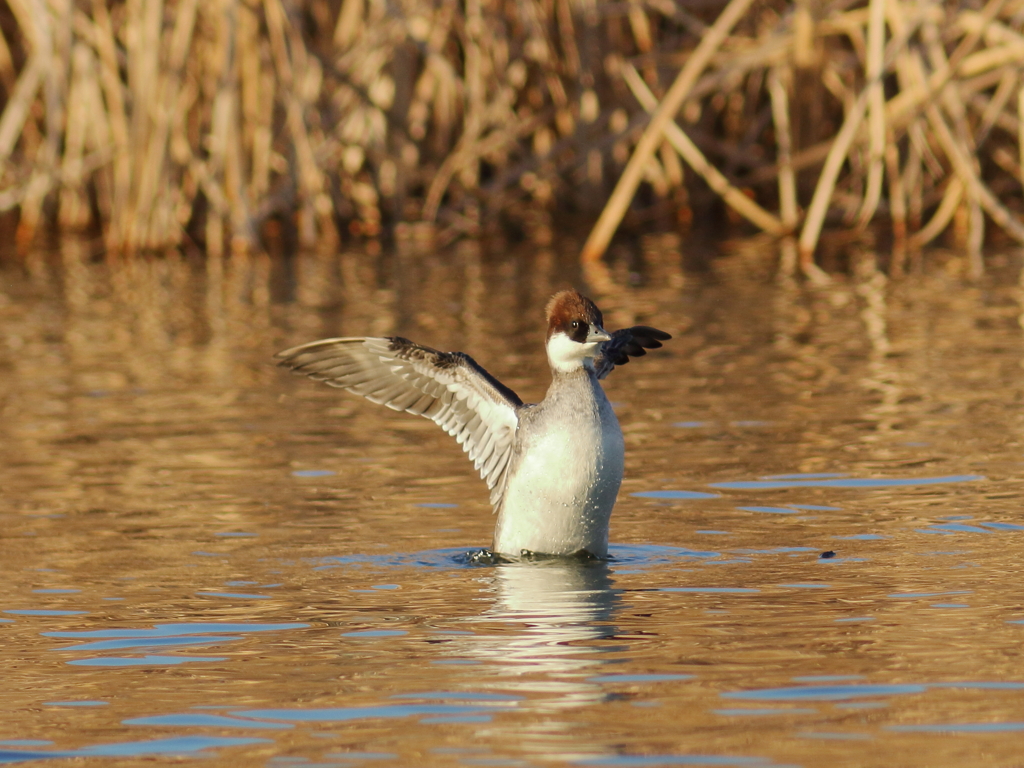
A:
x,y
901,98
162,122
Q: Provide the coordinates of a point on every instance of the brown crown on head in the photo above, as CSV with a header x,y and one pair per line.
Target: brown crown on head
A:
x,y
567,306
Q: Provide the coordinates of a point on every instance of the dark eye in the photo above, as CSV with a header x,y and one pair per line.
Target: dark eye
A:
x,y
576,325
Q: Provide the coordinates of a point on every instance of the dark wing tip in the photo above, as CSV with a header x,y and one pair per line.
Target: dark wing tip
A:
x,y
630,342
644,333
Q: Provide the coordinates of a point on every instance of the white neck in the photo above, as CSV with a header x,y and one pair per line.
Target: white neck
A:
x,y
566,355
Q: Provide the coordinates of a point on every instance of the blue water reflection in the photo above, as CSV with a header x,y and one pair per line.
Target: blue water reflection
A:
x,y
142,661
178,745
345,714
191,719
145,642
179,629
632,555
815,481
958,728
856,691
824,692
180,634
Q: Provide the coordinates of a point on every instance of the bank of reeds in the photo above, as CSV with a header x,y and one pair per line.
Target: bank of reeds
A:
x,y
161,122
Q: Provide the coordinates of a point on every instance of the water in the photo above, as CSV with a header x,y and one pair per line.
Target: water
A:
x,y
206,558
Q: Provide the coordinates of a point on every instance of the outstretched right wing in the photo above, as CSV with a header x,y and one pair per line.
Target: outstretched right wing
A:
x,y
447,387
626,343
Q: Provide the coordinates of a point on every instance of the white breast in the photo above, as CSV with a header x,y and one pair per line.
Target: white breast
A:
x,y
567,472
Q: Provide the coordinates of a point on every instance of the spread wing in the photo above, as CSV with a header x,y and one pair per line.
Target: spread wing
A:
x,y
627,343
447,387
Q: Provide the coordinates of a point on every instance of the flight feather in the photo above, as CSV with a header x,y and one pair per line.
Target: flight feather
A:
x,y
449,388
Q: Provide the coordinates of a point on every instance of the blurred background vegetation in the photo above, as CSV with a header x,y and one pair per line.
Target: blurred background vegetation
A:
x,y
233,126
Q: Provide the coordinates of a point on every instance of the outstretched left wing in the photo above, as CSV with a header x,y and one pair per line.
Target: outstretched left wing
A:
x,y
626,343
449,388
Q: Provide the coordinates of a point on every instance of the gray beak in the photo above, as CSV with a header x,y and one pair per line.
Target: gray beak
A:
x,y
597,333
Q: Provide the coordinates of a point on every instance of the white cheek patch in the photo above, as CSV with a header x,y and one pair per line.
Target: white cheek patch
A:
x,y
566,355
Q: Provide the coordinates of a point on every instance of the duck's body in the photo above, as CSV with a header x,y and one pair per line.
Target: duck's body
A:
x,y
565,472
554,468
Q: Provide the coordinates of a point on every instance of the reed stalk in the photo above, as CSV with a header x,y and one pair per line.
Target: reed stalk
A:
x,y
168,123
733,197
616,206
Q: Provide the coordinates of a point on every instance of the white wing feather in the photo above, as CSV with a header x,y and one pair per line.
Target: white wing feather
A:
x,y
449,388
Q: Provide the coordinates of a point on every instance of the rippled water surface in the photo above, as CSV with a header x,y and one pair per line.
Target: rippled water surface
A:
x,y
817,547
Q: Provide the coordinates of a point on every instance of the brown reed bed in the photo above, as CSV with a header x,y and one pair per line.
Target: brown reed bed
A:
x,y
166,122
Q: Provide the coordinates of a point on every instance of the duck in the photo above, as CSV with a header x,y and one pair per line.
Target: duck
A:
x,y
553,468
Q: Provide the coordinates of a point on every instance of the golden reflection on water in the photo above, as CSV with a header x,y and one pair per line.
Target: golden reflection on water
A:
x,y
536,638
158,470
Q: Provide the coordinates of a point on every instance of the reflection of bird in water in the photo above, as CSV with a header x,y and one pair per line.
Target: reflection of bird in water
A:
x,y
538,628
554,467
540,640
